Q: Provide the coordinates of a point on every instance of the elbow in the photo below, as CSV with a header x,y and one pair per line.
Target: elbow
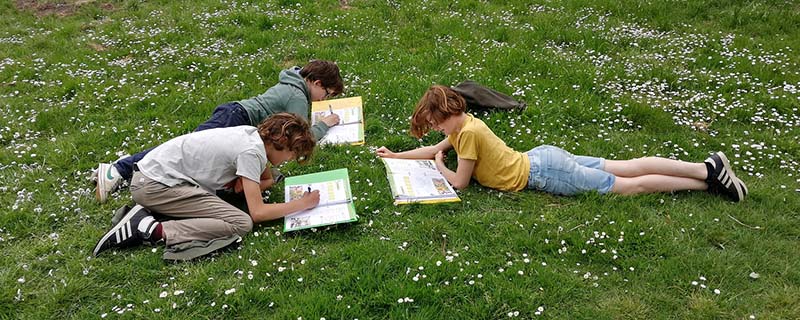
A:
x,y
461,185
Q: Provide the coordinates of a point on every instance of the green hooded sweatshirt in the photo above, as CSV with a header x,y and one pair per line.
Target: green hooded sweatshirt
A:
x,y
291,94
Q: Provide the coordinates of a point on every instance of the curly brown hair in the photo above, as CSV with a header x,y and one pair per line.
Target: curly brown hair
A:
x,y
287,130
436,105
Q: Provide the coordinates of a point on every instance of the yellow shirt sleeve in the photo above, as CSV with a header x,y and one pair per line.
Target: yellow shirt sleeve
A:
x,y
467,145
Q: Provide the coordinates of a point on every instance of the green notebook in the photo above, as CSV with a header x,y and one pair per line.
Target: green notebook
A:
x,y
335,200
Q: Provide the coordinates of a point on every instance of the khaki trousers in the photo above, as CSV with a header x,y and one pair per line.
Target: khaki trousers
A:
x,y
199,215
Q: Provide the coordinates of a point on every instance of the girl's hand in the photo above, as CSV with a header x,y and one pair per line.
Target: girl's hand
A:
x,y
310,199
384,152
439,157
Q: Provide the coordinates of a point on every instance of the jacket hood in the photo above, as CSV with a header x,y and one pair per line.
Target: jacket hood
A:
x,y
292,77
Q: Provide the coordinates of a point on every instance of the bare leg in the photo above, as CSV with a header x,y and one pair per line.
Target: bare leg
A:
x,y
656,166
655,183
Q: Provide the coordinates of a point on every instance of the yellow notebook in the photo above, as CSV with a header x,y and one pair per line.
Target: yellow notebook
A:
x,y
350,129
417,181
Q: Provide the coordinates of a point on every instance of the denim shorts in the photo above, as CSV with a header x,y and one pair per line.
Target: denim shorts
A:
x,y
557,171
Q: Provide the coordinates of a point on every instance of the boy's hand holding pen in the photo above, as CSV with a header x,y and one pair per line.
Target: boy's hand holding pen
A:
x,y
332,119
310,198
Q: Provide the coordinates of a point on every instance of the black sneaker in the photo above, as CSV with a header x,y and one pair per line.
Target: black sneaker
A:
x,y
722,180
120,212
134,228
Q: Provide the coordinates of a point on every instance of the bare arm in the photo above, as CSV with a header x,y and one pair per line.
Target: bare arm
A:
x,y
261,211
460,178
427,152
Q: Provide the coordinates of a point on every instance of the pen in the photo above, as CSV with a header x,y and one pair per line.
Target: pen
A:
x,y
352,122
309,189
333,203
330,108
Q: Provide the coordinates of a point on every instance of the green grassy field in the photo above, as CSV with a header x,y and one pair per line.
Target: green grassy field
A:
x,y
85,82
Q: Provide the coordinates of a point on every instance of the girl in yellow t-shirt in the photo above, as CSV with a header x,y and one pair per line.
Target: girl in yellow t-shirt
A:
x,y
485,157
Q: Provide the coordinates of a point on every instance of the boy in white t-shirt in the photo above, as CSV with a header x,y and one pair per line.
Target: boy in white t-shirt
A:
x,y
178,179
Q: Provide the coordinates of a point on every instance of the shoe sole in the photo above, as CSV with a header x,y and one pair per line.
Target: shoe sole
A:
x,y
113,229
100,183
744,187
726,167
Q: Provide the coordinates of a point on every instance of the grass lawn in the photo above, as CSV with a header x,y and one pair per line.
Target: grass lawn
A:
x,y
83,82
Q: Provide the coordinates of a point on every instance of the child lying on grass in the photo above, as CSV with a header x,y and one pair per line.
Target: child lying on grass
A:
x,y
178,179
483,156
296,89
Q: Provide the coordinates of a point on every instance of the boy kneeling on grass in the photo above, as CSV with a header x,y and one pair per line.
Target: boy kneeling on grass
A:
x,y
178,179
483,156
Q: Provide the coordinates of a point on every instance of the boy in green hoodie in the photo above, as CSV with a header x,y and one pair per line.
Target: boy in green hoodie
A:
x,y
296,89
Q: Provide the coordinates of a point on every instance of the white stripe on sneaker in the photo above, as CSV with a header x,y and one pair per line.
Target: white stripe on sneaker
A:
x,y
145,224
128,230
727,181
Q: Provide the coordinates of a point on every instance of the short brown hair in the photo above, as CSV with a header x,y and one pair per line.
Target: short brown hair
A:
x,y
288,130
437,104
326,72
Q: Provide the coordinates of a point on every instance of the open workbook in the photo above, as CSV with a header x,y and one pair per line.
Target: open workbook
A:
x,y
417,181
350,129
335,200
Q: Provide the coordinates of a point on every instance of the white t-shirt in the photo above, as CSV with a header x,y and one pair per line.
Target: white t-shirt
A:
x,y
208,159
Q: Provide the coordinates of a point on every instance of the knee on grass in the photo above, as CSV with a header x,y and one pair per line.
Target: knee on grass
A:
x,y
242,226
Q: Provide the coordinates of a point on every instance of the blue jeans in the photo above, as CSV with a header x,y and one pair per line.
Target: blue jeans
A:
x,y
231,114
557,171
